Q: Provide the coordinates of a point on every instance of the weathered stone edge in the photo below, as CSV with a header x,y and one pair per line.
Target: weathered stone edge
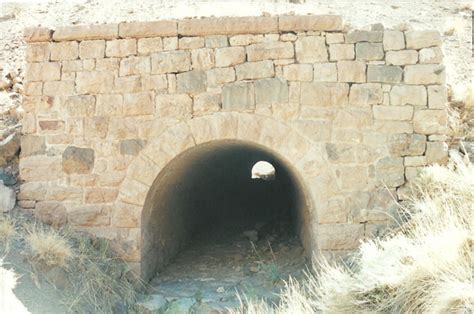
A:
x,y
189,27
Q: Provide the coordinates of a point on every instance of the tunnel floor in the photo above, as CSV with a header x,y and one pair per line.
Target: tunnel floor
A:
x,y
224,262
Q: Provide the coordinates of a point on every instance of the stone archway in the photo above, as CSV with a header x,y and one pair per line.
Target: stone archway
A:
x,y
287,145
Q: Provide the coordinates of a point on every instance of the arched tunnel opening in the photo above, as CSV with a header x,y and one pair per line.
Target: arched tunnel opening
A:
x,y
205,214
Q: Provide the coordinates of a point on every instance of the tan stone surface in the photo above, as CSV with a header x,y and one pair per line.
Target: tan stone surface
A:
x,y
311,49
86,32
148,29
310,23
228,26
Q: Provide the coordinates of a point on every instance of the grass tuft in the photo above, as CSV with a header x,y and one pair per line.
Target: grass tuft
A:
x,y
49,247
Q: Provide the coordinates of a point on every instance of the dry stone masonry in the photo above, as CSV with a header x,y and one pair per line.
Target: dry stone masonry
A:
x,y
356,114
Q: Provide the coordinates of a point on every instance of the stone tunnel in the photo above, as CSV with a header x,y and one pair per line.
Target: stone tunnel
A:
x,y
144,132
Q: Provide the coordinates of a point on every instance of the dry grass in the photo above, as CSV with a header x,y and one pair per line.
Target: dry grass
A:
x,y
462,111
424,267
7,229
49,247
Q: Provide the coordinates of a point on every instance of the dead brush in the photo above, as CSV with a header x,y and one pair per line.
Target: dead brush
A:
x,y
7,229
48,247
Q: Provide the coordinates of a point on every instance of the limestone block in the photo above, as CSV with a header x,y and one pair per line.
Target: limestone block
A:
x,y
131,146
430,121
32,145
341,52
94,82
340,152
245,40
37,34
288,37
177,106
291,23
89,215
340,236
58,88
170,62
270,50
229,56
191,82
387,126
134,65
325,72
202,59
334,38
86,32
37,52
369,51
408,95
33,88
126,215
415,161
399,113
148,29
146,46
207,102
190,42
311,49
315,130
108,64
228,26
121,48
96,127
51,212
81,105
271,91
324,94
436,153
32,191
352,178
437,96
216,41
298,72
390,172
431,55
92,49
351,71
138,104
43,71
100,195
128,84
422,39
393,40
407,144
170,43
51,126
425,74
401,57
411,173
255,70
219,76
384,74
238,96
364,36
78,160
64,193
159,83
366,94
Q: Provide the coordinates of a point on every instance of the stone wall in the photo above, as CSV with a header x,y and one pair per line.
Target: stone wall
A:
x,y
356,114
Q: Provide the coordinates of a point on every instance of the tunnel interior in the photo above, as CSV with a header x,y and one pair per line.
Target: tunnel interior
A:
x,y
207,193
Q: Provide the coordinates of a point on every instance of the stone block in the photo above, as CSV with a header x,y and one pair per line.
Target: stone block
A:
x,y
207,102
431,55
37,34
407,144
436,153
422,39
134,66
51,212
100,195
148,29
311,49
425,74
384,74
369,51
366,94
37,52
430,122
78,160
51,126
121,48
271,91
96,127
170,43
324,94
334,38
341,52
437,96
86,32
301,23
408,95
219,76
270,50
316,130
89,215
135,104
128,84
216,41
202,59
32,145
177,106
398,113
230,56
245,40
94,82
401,57
81,105
298,72
191,82
393,40
364,36
238,96
228,26
92,49
390,172
255,70
58,88
43,71
415,161
190,42
146,46
158,83
170,62
325,72
351,71
340,236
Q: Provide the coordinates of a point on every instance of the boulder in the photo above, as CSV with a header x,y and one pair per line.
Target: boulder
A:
x,y
7,198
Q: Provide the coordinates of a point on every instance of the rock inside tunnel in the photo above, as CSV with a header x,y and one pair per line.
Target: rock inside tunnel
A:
x,y
208,194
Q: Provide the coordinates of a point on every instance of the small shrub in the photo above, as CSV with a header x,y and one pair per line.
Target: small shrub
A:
x,y
7,229
49,247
